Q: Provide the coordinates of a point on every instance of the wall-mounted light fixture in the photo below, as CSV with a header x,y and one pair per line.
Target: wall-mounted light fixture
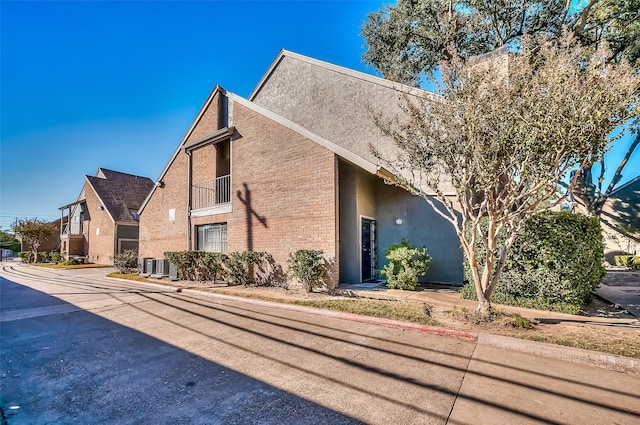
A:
x,y
398,221
101,207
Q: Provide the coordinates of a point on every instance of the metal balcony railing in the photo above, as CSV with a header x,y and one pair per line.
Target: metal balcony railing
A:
x,y
211,192
73,228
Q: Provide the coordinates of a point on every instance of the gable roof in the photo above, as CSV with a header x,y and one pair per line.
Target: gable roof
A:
x,y
625,186
234,98
337,103
372,79
120,193
340,105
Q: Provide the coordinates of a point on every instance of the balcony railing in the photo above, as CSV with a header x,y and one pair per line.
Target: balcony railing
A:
x,y
73,228
211,192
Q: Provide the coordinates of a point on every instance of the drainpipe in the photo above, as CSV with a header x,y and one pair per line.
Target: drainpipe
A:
x,y
189,200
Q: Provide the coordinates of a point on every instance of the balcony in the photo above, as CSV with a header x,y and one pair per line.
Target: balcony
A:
x,y
211,193
72,229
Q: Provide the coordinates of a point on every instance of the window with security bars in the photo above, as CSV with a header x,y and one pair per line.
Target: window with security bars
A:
x,y
212,237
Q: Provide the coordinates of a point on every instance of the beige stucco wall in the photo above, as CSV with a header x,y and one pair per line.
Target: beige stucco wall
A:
x,y
337,105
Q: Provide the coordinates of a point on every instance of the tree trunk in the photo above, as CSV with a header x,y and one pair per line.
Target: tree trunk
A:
x,y
484,306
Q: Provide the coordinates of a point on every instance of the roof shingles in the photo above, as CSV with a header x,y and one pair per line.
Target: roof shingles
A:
x,y
121,193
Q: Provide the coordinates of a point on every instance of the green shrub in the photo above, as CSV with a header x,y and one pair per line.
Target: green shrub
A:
x,y
25,256
241,267
43,257
631,261
55,257
212,265
185,262
555,264
270,273
71,262
308,267
198,265
622,260
126,261
235,268
406,264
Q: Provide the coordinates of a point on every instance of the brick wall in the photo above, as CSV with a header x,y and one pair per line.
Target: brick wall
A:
x,y
99,244
283,193
158,233
283,190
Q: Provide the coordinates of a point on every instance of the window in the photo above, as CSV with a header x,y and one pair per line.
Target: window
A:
x,y
212,237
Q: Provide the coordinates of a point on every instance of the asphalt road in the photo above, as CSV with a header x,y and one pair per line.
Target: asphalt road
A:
x,y
81,349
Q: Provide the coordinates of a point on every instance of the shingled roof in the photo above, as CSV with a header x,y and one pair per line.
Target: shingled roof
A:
x,y
120,193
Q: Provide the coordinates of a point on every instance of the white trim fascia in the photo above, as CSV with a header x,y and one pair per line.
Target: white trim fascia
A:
x,y
624,186
214,210
100,199
403,88
335,148
199,115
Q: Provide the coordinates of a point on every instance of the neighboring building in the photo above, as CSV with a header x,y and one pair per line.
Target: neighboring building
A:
x,y
103,220
620,220
292,169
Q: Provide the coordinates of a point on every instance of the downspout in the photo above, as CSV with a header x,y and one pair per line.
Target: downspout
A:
x,y
189,200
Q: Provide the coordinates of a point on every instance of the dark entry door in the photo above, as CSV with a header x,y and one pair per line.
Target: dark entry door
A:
x,y
368,248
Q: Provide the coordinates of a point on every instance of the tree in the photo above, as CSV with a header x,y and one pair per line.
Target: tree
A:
x,y
504,136
406,43
9,241
33,232
616,24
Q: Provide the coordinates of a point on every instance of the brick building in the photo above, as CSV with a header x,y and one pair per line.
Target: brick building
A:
x,y
291,168
103,220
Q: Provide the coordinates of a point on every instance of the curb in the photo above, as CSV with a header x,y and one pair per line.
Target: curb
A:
x,y
571,354
574,355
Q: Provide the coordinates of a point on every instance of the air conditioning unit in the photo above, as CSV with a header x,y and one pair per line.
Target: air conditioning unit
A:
x,y
173,271
161,268
141,265
149,266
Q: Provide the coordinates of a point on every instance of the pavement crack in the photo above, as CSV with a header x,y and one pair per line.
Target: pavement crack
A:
x,y
464,375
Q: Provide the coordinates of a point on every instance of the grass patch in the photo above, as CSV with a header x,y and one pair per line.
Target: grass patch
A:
x,y
618,345
74,266
395,310
128,276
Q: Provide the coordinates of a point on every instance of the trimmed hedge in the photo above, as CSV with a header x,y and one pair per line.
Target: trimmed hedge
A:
x,y
235,268
126,261
555,264
198,265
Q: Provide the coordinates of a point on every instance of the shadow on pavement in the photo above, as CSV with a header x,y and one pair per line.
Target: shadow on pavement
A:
x,y
80,368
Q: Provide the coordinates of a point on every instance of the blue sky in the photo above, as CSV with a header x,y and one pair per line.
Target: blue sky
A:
x,y
116,84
